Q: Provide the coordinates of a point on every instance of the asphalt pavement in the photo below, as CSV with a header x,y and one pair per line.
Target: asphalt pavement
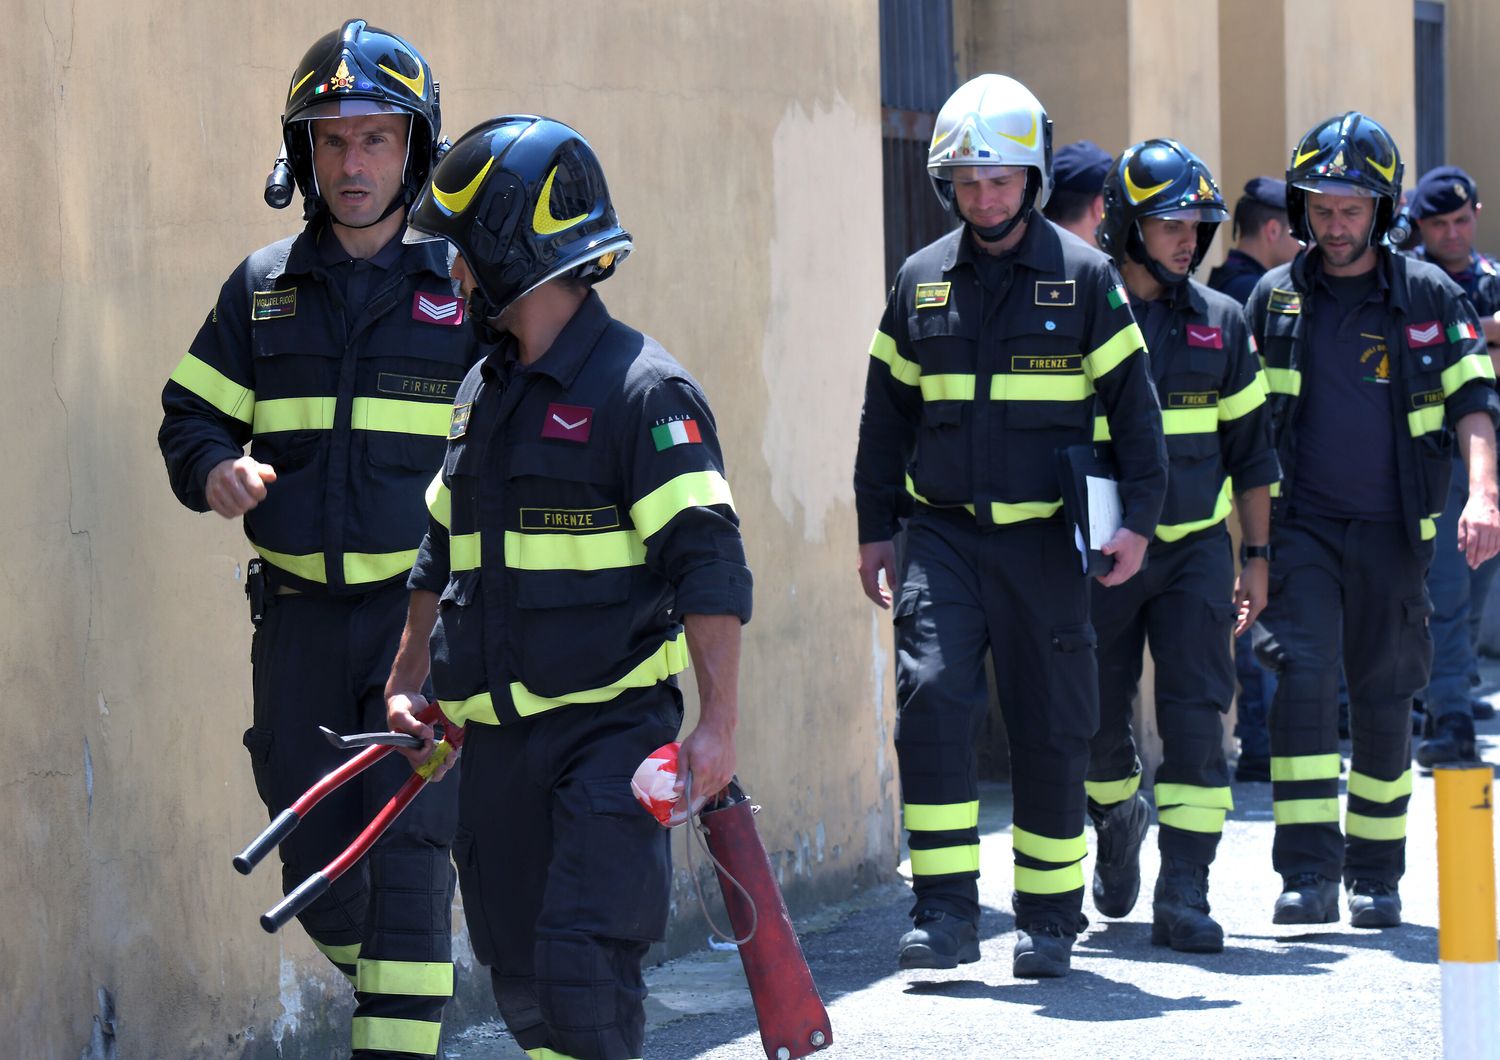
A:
x,y
1330,991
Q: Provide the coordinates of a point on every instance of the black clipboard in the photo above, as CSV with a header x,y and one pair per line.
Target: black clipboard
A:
x,y
1076,465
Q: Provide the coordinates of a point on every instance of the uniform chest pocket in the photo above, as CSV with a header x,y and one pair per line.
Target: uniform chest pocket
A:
x,y
1200,370
944,343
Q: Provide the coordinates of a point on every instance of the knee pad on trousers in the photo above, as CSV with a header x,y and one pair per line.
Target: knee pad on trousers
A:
x,y
516,1000
413,886
337,916
1302,685
591,994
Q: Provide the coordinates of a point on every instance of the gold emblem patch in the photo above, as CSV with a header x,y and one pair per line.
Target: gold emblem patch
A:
x,y
460,422
932,295
1284,301
273,305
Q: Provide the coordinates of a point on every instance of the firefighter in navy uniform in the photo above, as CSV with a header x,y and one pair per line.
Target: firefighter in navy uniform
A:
x,y
1375,365
336,355
583,544
994,344
1263,239
1161,210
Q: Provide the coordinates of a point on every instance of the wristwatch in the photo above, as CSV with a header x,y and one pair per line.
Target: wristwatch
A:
x,y
1249,552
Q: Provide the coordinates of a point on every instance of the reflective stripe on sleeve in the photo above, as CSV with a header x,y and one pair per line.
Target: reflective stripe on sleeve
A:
x,y
1245,400
1283,381
216,388
1466,369
440,502
883,349
1113,351
463,551
696,489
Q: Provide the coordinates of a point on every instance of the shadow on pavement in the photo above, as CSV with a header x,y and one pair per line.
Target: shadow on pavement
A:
x,y
1132,942
1083,997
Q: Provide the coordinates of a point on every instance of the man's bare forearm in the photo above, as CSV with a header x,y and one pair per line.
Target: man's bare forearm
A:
x,y
1476,442
412,664
714,643
1254,508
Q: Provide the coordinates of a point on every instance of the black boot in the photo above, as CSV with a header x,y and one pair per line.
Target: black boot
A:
x,y
1450,738
1117,865
1044,950
1373,904
1307,898
939,940
1179,912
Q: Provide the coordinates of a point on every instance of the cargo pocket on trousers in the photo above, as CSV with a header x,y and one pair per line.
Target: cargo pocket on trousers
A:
x,y
1414,646
1073,681
623,842
466,859
258,742
1218,664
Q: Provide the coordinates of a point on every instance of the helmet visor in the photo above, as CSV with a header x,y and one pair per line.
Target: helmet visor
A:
x,y
1325,186
969,173
1205,212
416,235
347,108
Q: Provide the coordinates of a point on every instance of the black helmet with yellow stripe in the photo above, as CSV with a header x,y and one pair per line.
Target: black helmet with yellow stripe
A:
x,y
523,199
1158,178
361,70
1350,154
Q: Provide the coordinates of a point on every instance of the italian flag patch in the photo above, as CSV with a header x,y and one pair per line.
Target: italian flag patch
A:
x,y
675,432
1461,331
1117,296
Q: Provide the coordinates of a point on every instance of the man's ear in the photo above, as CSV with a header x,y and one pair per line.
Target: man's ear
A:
x,y
1096,209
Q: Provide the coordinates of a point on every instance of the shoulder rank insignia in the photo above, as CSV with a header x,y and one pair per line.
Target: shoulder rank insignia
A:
x,y
1205,336
932,295
1056,293
1284,301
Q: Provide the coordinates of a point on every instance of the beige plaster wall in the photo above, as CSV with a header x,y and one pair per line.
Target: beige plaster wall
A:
x,y
1473,28
743,149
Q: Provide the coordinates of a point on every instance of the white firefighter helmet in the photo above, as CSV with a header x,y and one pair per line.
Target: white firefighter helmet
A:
x,y
992,120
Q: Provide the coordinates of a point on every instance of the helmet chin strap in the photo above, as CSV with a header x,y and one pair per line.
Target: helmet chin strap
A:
x,y
1135,250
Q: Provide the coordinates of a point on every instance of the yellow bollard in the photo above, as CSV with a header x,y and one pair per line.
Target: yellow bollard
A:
x,y
1467,945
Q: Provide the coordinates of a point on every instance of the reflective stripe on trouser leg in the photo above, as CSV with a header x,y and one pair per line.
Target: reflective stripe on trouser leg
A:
x,y
344,958
1046,866
941,637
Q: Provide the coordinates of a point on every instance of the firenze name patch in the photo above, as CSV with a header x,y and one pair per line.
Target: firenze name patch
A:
x,y
570,519
416,386
1426,398
1193,399
932,295
1062,362
273,305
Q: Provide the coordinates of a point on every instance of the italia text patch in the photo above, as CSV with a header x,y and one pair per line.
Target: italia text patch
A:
x,y
570,519
460,421
1062,362
273,305
1056,293
1192,399
1205,337
682,430
570,423
932,295
1426,398
437,309
1286,302
416,386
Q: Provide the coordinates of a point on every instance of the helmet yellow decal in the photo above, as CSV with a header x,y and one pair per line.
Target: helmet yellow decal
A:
x,y
541,218
1136,192
1388,172
458,201
1028,141
300,82
1303,156
417,84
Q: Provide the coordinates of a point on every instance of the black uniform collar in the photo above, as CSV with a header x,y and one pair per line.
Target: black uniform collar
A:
x,y
1040,248
315,249
1307,266
1238,261
565,358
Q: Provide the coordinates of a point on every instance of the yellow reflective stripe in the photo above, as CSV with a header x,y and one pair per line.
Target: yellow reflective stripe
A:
x,y
308,567
463,551
1101,429
440,502
1306,767
214,387
1244,401
1360,826
415,978
1040,387
360,567
293,414
1192,819
550,1054
1045,848
1049,881
912,489
950,817
1190,421
1283,381
1276,489
671,658
947,388
696,489
430,418
1177,531
340,954
616,548
1428,528
1020,511
1425,420
477,708
883,349
1193,795
1466,369
1109,792
1368,788
395,1035
1114,351
945,860
1306,811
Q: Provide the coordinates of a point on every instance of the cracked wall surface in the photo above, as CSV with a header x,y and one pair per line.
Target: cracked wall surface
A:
x,y
742,144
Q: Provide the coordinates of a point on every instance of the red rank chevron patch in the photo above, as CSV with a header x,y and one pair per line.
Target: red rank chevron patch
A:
x,y
1205,336
571,423
437,309
1427,334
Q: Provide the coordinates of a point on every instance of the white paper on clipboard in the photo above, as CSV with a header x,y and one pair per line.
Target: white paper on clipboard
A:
x,y
1104,510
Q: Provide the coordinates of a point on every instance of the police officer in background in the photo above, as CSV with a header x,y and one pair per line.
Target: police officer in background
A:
x,y
1445,208
582,545
1077,200
1263,238
1375,364
997,342
1161,210
336,354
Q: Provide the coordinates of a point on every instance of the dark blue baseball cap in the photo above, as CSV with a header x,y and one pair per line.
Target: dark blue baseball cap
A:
x,y
1080,167
1442,190
1268,191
